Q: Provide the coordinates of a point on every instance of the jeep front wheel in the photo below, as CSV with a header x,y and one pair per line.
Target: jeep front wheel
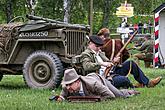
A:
x,y
43,69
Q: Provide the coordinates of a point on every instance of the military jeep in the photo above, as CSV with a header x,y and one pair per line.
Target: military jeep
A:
x,y
40,49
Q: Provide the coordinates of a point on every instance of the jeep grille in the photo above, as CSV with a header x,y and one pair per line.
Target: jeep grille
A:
x,y
76,41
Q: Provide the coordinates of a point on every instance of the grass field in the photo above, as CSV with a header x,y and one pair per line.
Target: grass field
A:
x,y
15,95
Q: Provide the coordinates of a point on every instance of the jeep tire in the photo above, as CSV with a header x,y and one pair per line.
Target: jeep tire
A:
x,y
43,69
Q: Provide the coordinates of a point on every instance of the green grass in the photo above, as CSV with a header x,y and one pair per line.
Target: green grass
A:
x,y
15,95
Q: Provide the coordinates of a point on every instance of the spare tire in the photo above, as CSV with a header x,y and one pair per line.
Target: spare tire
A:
x,y
43,69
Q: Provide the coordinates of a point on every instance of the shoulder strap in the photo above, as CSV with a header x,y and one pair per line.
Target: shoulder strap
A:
x,y
106,43
113,49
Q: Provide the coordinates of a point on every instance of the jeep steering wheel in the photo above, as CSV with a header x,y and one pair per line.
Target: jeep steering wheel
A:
x,y
18,17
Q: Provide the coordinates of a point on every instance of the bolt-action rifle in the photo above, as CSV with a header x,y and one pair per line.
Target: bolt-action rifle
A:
x,y
110,67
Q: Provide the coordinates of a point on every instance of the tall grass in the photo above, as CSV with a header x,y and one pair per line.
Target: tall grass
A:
x,y
15,95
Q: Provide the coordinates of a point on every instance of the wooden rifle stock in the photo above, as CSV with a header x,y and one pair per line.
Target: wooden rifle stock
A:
x,y
107,70
84,98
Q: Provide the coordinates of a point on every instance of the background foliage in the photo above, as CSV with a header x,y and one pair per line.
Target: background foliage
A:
x,y
103,11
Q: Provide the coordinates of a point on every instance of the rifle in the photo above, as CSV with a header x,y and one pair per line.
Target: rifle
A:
x,y
107,70
84,98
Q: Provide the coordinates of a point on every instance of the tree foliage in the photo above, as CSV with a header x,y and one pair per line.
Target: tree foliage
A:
x,y
103,15
11,8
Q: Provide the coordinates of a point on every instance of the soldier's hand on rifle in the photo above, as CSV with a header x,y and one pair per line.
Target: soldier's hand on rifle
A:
x,y
59,99
116,60
105,64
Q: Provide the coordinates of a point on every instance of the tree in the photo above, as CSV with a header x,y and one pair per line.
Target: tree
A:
x,y
106,13
31,4
76,11
67,10
11,8
50,9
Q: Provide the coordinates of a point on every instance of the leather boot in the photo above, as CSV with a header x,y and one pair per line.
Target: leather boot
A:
x,y
154,82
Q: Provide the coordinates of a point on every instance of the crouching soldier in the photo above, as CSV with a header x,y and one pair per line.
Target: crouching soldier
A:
x,y
145,51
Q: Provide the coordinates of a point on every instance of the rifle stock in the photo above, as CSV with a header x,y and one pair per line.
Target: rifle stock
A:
x,y
107,70
84,98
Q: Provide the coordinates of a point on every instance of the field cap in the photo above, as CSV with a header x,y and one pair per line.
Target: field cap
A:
x,y
70,75
96,40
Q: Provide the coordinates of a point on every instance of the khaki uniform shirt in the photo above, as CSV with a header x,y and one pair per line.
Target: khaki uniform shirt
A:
x,y
147,48
89,61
